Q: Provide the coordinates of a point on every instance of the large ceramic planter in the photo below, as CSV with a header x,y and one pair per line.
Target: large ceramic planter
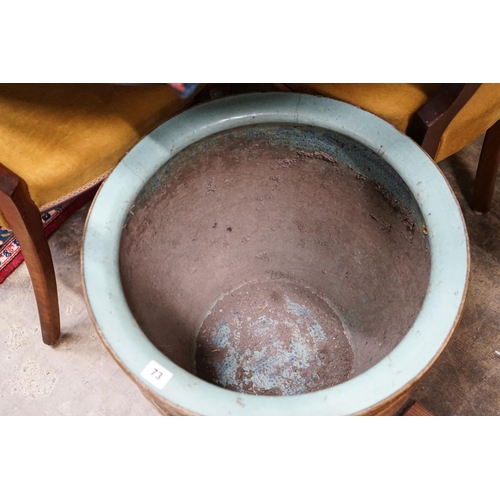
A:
x,y
275,254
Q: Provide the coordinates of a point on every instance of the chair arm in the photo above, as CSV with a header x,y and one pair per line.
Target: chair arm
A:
x,y
428,124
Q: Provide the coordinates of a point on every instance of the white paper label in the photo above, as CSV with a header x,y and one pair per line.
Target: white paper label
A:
x,y
156,374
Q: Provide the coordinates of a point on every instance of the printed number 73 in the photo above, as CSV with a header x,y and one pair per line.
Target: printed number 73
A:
x,y
156,374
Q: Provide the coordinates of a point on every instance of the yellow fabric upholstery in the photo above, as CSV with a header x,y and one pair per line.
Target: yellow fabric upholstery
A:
x,y
394,102
62,137
475,118
397,102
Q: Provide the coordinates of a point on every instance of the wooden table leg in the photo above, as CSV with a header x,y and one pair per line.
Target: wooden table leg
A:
x,y
23,218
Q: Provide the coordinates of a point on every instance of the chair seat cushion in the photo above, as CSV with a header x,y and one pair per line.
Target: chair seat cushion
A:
x,y
397,102
394,102
62,138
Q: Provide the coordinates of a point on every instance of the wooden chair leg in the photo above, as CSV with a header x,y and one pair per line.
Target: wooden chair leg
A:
x,y
484,185
23,218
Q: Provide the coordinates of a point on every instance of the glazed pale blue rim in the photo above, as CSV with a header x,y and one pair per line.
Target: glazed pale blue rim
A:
x,y
394,373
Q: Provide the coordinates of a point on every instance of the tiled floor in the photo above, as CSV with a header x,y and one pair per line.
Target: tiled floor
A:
x,y
79,377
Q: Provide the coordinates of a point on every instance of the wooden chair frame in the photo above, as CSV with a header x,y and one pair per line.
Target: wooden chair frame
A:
x,y
24,220
428,124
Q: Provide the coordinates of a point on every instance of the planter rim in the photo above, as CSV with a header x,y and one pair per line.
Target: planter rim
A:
x,y
392,375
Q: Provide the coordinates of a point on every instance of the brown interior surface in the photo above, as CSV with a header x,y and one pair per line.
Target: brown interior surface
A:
x,y
305,232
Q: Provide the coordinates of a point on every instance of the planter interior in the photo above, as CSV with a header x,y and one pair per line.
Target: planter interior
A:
x,y
275,259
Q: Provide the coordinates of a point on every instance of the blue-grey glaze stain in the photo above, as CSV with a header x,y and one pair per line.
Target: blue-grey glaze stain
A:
x,y
277,345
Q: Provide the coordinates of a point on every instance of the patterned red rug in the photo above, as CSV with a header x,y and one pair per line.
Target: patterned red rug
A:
x,y
10,251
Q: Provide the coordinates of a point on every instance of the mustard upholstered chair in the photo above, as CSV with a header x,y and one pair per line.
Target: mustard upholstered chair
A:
x,y
56,141
442,118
